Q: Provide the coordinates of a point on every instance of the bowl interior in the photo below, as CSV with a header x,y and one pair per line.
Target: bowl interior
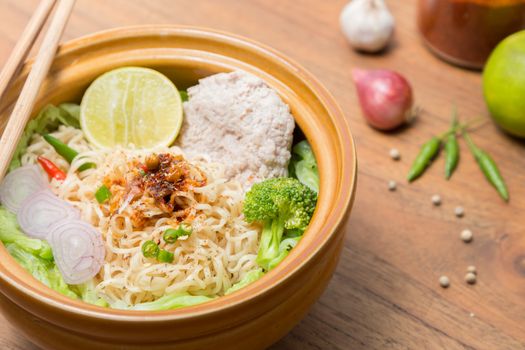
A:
x,y
186,55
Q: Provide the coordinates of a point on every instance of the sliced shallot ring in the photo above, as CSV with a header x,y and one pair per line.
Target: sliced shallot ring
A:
x,y
20,184
42,210
78,250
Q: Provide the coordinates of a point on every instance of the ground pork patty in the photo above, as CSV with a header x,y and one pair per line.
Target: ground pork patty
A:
x,y
238,120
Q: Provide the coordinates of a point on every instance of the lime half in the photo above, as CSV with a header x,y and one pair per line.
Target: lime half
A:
x,y
131,106
504,84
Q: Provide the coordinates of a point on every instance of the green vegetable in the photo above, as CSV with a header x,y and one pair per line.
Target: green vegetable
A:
x,y
280,204
303,165
173,301
488,167
73,114
165,256
34,255
428,151
43,270
61,148
102,194
48,120
183,95
249,278
65,151
451,154
171,235
100,302
38,267
87,293
451,149
58,284
150,249
10,233
284,249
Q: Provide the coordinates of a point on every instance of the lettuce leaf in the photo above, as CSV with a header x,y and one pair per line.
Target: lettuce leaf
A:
x,y
10,233
48,120
87,293
249,278
43,270
171,301
34,255
303,165
58,284
70,112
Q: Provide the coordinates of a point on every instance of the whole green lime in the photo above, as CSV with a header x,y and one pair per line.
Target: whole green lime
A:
x,y
504,84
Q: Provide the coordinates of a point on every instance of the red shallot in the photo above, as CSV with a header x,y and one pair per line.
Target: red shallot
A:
x,y
18,185
78,250
41,210
385,97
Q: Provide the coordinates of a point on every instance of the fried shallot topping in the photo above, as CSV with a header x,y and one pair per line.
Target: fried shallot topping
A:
x,y
162,181
171,176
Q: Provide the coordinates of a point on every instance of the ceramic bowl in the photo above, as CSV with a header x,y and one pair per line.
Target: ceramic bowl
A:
x,y
252,318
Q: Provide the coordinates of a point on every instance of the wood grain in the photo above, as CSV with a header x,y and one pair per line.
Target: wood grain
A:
x,y
24,105
384,294
24,44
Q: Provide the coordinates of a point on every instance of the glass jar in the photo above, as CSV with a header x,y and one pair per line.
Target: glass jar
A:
x,y
464,32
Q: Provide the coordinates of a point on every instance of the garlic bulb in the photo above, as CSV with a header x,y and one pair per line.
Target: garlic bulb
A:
x,y
367,24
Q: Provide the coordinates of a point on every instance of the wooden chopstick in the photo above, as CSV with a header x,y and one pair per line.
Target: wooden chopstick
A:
x,y
24,44
26,100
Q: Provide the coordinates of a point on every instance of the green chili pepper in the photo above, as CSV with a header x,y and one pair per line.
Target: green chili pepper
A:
x,y
150,249
165,256
171,235
102,194
428,151
61,148
488,167
65,151
451,149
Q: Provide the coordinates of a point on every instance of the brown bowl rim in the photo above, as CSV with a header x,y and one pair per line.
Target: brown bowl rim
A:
x,y
281,272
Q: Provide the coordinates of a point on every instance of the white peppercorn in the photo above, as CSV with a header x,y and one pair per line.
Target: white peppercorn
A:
x,y
444,281
470,278
394,154
466,236
392,185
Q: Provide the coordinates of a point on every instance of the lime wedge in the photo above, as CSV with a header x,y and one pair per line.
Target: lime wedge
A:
x,y
131,106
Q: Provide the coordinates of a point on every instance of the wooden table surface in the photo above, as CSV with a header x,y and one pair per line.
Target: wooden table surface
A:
x,y
385,292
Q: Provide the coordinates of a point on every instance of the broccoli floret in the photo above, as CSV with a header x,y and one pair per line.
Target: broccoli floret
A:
x,y
281,204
